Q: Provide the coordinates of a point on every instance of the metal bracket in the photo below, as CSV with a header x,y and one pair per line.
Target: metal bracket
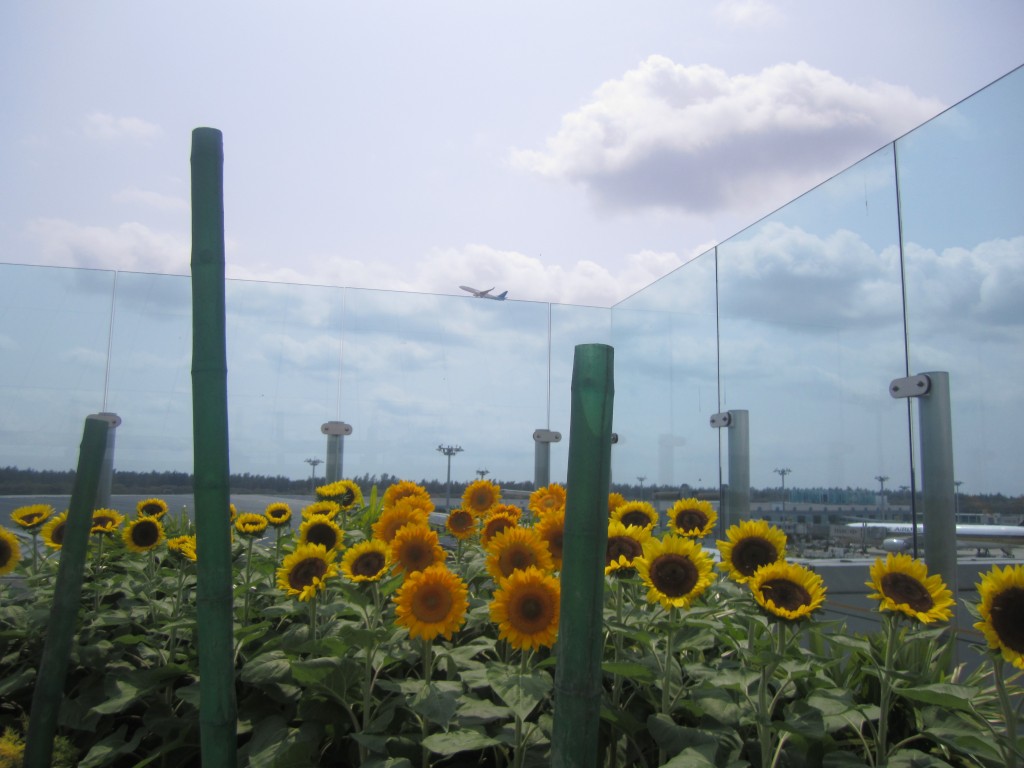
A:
x,y
112,419
615,438
336,428
910,386
546,436
719,420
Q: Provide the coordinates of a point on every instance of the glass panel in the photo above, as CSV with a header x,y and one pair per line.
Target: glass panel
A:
x,y
54,326
665,381
812,334
961,184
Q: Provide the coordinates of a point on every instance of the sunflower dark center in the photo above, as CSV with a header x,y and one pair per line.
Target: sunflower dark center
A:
x,y
636,517
103,521
277,514
151,509
368,564
304,572
530,613
555,543
57,534
145,534
498,525
482,499
1008,618
31,518
432,604
516,558
691,520
625,546
786,594
674,575
417,555
906,590
320,533
461,520
6,552
751,553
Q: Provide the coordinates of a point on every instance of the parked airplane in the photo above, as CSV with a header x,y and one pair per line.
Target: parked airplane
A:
x,y
897,537
485,294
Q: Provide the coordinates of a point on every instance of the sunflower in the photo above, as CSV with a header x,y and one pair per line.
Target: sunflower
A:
x,y
494,525
251,524
106,520
415,548
461,523
151,508
692,518
232,513
480,496
143,534
402,513
1002,612
32,516
551,528
366,561
515,549
406,489
278,514
320,529
625,545
345,493
547,499
185,546
902,583
641,513
787,590
325,508
675,569
53,531
10,551
615,500
509,510
525,607
750,545
431,602
305,571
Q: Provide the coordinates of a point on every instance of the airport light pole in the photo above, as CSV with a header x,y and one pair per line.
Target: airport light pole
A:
x,y
483,473
314,463
881,494
449,451
956,499
782,473
641,478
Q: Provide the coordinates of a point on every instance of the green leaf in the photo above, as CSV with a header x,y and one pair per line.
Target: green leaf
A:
x,y
803,719
21,679
462,740
276,745
473,710
691,758
911,758
945,695
674,739
637,673
520,692
104,751
267,668
120,694
435,703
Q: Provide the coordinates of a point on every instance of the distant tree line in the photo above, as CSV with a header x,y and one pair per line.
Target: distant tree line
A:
x,y
45,482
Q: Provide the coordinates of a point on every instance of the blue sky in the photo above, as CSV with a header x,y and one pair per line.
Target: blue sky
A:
x,y
567,152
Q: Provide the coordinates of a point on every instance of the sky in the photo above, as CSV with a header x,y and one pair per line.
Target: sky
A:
x,y
566,152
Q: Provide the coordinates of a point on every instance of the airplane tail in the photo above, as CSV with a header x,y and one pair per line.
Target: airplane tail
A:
x,y
501,297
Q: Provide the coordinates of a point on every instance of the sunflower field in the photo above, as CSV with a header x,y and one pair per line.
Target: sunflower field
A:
x,y
373,631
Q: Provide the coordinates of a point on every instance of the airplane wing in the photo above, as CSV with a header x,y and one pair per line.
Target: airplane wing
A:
x,y
477,292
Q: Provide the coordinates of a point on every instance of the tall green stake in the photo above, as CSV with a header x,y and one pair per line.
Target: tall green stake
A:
x,y
215,610
578,674
67,598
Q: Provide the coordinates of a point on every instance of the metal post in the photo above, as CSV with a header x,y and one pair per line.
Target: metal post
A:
x,y
335,431
578,679
542,440
107,468
737,493
938,486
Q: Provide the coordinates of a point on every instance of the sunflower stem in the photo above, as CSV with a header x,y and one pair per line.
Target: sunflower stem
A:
x,y
1009,714
312,617
428,664
666,701
520,754
886,687
247,585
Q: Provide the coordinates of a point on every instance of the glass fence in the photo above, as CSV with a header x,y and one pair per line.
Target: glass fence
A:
x,y
910,261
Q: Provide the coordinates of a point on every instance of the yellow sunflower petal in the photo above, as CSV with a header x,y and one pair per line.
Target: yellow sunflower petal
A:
x,y
526,608
902,584
787,590
675,569
749,546
1002,612
431,602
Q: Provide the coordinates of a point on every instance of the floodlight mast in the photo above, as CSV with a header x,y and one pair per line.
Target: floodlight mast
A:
x,y
449,451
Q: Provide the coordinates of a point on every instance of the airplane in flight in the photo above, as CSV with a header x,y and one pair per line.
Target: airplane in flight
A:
x,y
898,537
485,294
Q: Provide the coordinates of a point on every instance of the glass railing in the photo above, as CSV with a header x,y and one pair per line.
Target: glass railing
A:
x,y
912,260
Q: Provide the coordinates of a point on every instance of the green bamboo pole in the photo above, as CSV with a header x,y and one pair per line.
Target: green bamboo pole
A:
x,y
215,610
578,673
67,597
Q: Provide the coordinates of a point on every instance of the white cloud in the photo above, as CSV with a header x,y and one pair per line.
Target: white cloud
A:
x,y
443,270
748,12
666,135
99,125
129,247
